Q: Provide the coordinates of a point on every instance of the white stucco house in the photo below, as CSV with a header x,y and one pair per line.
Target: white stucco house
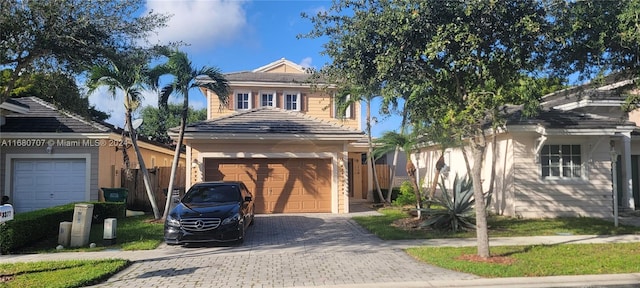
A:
x,y
559,163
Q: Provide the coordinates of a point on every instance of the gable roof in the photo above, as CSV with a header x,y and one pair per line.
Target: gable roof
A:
x,y
282,63
45,117
269,123
607,92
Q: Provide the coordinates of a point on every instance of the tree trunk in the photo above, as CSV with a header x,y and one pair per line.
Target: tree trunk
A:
x,y
411,171
439,165
176,155
392,173
145,173
371,160
482,232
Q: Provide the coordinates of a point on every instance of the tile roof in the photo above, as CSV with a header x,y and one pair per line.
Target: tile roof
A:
x,y
302,78
567,120
45,117
265,121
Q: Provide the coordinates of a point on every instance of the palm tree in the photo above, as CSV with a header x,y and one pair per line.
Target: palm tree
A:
x,y
350,96
126,75
185,77
390,141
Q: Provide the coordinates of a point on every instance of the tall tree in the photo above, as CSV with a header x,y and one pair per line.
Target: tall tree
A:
x,y
151,126
186,77
127,75
68,35
460,60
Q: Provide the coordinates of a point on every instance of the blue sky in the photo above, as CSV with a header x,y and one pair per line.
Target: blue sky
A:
x,y
236,35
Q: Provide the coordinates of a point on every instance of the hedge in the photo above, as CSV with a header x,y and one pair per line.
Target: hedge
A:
x,y
31,227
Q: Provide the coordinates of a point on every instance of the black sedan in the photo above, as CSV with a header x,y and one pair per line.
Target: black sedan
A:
x,y
210,212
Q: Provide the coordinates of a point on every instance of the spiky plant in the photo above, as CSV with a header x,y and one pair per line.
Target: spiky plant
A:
x,y
458,207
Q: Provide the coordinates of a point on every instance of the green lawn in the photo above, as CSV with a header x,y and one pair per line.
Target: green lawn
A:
x,y
133,233
520,261
62,274
498,227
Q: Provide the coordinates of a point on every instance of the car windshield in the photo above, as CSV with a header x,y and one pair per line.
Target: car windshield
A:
x,y
212,194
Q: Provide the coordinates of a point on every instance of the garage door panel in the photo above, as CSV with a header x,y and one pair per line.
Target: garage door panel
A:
x,y
41,183
278,185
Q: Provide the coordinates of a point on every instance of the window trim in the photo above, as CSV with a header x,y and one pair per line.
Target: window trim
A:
x,y
274,103
236,101
298,100
560,162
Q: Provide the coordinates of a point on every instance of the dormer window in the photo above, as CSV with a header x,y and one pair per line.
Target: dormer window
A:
x,y
243,100
292,101
267,99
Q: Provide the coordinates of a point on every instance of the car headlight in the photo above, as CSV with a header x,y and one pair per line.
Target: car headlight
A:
x,y
173,222
233,219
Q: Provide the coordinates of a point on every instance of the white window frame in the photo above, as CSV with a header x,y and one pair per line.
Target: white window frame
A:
x,y
347,112
274,101
561,161
286,101
236,95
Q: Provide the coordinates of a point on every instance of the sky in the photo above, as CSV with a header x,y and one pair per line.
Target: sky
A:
x,y
237,35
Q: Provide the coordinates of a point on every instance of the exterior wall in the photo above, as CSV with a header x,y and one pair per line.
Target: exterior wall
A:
x,y
520,191
10,153
111,159
315,104
200,150
589,197
502,198
635,116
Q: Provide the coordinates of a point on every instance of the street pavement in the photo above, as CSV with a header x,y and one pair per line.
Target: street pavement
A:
x,y
321,250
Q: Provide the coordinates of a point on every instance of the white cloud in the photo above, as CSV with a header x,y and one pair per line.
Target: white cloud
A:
x,y
114,106
306,62
200,23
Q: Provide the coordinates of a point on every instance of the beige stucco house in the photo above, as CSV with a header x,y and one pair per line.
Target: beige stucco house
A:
x,y
559,163
280,135
50,157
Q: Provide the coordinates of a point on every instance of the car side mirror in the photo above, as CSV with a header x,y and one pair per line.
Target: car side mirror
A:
x,y
247,199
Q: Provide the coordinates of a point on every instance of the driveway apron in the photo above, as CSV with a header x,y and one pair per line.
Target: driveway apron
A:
x,y
288,250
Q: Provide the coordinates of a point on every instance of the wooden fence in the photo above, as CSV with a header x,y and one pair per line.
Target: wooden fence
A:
x,y
137,198
382,170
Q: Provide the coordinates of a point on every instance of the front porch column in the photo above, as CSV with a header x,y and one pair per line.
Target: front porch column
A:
x,y
627,201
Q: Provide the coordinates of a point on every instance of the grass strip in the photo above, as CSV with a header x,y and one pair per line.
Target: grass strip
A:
x,y
59,274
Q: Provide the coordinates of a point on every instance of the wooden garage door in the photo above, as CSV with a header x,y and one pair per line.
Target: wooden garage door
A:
x,y
278,185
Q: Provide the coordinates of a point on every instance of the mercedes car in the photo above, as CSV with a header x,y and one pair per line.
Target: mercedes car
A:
x,y
211,212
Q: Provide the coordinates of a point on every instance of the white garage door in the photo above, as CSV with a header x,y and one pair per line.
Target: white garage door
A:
x,y
41,183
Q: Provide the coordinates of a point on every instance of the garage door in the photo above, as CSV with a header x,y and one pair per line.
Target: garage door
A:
x,y
279,185
41,183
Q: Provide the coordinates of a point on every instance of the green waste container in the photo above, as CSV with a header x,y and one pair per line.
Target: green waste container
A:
x,y
115,194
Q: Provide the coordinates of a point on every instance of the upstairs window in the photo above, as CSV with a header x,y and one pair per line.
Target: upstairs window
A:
x,y
561,161
292,101
243,100
346,114
267,99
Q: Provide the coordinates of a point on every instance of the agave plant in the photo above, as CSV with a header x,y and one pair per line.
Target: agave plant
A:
x,y
458,207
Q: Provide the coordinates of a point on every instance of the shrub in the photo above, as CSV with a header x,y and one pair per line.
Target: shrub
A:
x,y
406,195
385,192
30,227
458,207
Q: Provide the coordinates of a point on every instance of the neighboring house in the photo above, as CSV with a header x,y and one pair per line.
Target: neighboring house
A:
x,y
281,136
558,163
50,157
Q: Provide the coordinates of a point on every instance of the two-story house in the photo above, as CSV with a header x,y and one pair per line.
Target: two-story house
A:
x,y
281,136
559,163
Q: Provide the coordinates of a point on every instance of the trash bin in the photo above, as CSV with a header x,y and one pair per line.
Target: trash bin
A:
x,y
81,225
115,194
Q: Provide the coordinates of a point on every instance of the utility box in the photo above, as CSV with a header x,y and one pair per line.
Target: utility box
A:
x,y
64,234
81,226
109,235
